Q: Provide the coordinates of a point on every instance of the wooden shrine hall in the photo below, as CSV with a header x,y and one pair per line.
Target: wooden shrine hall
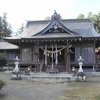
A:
x,y
56,43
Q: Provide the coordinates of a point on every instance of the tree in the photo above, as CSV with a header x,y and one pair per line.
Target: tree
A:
x,y
5,28
90,15
47,18
80,16
21,29
95,18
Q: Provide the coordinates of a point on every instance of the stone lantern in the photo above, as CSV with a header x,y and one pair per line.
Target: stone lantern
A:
x,y
16,75
80,60
16,60
81,76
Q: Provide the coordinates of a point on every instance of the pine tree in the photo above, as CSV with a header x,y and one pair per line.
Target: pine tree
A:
x,y
5,28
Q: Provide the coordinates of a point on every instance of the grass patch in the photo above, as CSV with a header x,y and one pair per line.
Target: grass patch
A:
x,y
98,97
81,91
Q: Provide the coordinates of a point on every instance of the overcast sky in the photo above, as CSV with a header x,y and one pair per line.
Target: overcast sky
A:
x,y
18,11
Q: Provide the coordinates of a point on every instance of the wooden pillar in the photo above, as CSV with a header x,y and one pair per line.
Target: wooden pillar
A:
x,y
94,58
20,55
80,47
68,59
20,48
52,57
37,58
37,64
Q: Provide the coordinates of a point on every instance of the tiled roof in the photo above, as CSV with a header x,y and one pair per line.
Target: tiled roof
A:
x,y
6,46
84,28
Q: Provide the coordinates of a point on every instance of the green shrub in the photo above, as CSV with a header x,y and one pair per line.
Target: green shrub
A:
x,y
2,84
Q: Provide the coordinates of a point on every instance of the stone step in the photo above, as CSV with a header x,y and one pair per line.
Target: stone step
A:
x,y
54,76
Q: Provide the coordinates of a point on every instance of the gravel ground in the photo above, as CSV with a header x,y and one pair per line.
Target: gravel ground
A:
x,y
32,89
49,89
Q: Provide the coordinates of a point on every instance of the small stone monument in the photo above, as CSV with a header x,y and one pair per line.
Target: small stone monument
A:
x,y
16,75
16,69
81,76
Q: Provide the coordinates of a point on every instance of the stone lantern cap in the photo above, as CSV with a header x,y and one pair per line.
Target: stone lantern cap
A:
x,y
80,59
16,59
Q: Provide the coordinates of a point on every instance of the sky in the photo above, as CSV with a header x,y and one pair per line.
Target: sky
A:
x,y
20,11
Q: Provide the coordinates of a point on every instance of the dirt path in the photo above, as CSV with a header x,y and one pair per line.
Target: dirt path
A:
x,y
31,89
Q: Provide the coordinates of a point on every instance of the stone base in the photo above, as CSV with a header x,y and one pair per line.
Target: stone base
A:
x,y
54,70
16,76
81,76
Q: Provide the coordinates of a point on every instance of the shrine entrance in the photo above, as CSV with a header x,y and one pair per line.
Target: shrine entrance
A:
x,y
52,56
60,57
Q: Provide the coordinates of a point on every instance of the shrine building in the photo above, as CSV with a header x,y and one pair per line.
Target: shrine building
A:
x,y
56,43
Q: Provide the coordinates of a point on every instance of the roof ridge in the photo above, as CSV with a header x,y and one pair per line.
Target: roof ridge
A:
x,y
54,24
